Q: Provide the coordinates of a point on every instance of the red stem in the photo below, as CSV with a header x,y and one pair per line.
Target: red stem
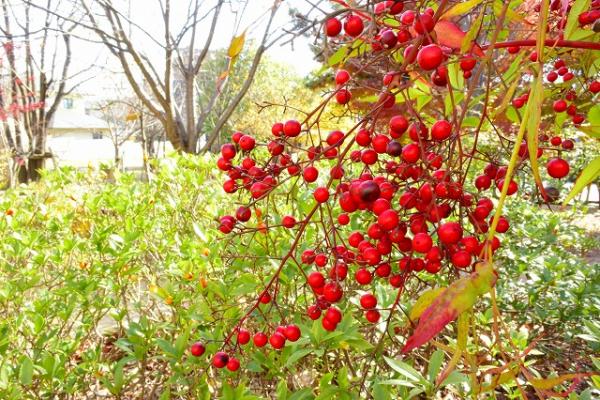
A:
x,y
575,44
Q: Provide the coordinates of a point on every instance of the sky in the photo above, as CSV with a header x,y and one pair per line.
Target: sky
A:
x,y
233,21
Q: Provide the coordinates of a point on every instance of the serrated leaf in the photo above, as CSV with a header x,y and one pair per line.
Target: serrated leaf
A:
x,y
587,176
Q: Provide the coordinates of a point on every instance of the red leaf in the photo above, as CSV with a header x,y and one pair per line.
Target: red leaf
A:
x,y
450,35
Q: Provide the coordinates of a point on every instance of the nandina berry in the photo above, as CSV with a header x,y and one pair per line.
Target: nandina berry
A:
x,y
332,291
410,54
292,332
557,168
411,153
555,141
439,77
265,298
470,244
369,191
236,136
228,151
233,364
368,301
407,17
559,105
260,339
335,138
333,27
343,96
422,242
372,316
388,39
339,271
369,157
423,23
380,143
314,312
372,256
355,238
567,144
333,315
292,128
363,137
243,336
450,232
595,87
441,130
247,142
321,194
502,226
461,259
468,63
483,182
197,349
288,221
328,325
363,276
388,219
277,340
353,26
430,57
342,76
380,205
243,214
512,187
343,219
316,279
552,76
321,260
310,174
398,124
418,131
220,359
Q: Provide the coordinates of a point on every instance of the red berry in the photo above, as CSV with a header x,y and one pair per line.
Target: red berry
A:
x,y
260,339
398,124
567,144
292,128
559,105
310,174
247,142
388,219
197,349
422,242
368,301
288,221
372,316
441,130
363,276
461,259
483,182
595,87
233,364
332,291
292,332
430,57
557,168
343,96
333,27
411,153
512,187
424,23
243,336
220,359
321,194
353,25
343,219
243,214
314,312
333,315
342,76
228,151
450,233
277,340
316,279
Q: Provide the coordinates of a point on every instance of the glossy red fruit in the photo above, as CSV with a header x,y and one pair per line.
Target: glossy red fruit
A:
x,y
343,219
321,194
430,57
461,259
353,26
368,301
243,336
288,221
247,142
310,174
260,339
343,96
369,191
441,130
422,242
220,359
557,168
197,349
502,226
388,219
483,182
567,144
372,316
407,17
363,276
342,76
243,214
595,87
292,128
228,151
333,27
292,332
332,291
512,187
450,233
277,340
468,63
411,153
559,105
424,23
333,315
314,312
233,364
316,279
398,124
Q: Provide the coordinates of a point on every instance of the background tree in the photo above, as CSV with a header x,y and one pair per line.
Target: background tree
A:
x,y
35,71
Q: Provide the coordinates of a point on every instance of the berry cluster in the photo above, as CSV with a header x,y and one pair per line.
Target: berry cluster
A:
x,y
402,177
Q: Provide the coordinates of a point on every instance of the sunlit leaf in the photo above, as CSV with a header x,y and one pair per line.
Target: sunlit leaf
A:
x,y
587,176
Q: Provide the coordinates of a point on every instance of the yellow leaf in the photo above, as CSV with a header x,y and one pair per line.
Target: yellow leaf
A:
x,y
549,383
507,98
236,45
502,378
510,14
132,117
423,302
461,8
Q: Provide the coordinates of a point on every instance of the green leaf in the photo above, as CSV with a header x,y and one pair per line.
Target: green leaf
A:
x,y
303,394
282,390
435,363
587,176
297,355
405,369
454,378
573,18
26,372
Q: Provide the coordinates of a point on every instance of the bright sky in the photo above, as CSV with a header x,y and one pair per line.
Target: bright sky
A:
x,y
233,21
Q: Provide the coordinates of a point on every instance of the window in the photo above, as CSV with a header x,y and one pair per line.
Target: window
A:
x,y
68,103
97,135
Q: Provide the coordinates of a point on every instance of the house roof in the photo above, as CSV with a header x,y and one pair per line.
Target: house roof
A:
x,y
76,119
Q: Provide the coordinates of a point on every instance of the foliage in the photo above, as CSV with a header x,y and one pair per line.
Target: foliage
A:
x,y
108,280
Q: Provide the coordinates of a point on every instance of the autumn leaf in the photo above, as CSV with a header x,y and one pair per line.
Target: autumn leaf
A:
x,y
448,305
450,35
